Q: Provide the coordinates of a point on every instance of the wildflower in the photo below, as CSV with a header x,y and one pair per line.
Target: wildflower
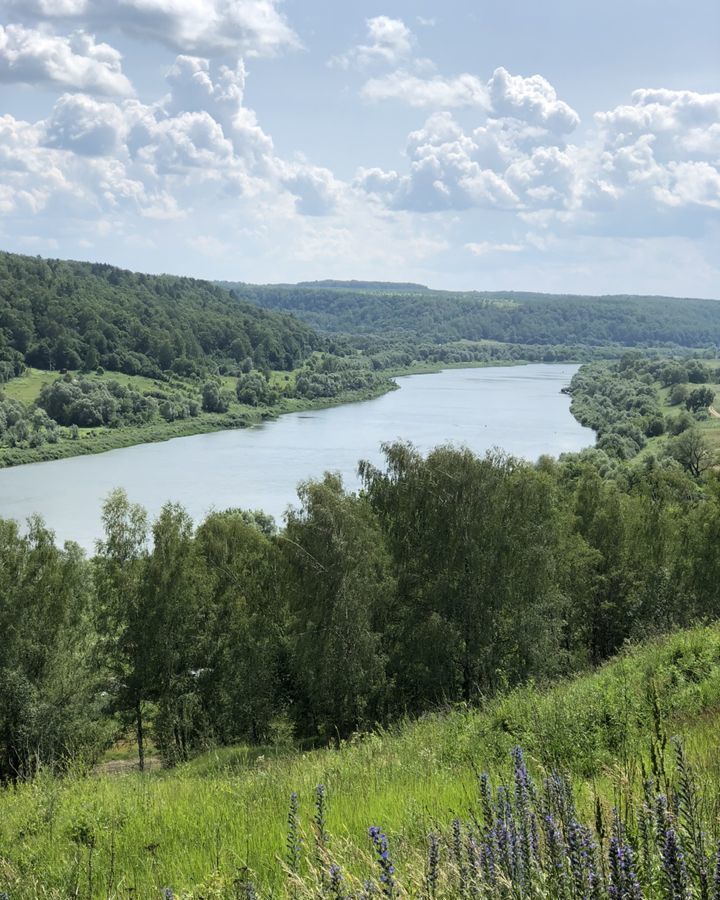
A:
x,y
689,820
487,859
336,883
527,825
486,800
581,854
433,864
293,836
674,866
320,809
556,853
382,854
473,859
459,856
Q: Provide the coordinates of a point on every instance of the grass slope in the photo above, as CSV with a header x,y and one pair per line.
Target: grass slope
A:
x,y
197,827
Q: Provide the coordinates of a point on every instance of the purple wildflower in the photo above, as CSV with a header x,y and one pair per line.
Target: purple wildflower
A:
x,y
457,846
320,810
382,855
673,858
487,859
293,835
556,852
336,883
433,865
486,801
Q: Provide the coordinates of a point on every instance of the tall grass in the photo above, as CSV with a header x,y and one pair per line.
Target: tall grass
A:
x,y
215,825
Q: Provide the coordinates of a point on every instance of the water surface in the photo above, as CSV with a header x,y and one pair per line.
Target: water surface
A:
x,y
519,409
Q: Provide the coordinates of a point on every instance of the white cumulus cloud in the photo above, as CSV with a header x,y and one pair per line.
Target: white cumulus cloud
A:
x,y
207,27
37,56
389,41
534,100
464,90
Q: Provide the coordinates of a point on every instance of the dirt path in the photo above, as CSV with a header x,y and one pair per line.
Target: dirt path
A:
x,y
126,766
714,414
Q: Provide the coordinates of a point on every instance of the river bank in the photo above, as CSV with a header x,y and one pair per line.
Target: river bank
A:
x,y
91,441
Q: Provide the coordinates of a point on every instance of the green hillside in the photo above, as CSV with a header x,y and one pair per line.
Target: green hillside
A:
x,y
57,314
208,828
507,316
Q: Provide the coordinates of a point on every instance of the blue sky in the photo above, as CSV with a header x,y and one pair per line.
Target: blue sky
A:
x,y
562,146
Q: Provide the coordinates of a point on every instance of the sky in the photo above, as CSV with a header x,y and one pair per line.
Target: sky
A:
x,y
563,146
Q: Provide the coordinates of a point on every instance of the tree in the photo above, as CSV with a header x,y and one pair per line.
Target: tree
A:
x,y
253,390
473,542
246,675
173,592
48,708
678,394
214,399
339,588
699,399
690,449
123,614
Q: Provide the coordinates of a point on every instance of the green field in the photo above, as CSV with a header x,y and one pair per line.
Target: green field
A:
x,y
223,816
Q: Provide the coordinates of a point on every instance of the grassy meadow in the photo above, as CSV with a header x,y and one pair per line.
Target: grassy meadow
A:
x,y
208,828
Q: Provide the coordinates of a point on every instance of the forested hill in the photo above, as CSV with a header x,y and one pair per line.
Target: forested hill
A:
x,y
510,317
385,287
57,314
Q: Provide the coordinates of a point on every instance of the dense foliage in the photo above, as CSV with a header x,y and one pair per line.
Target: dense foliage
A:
x,y
22,425
447,579
506,316
71,315
89,403
622,403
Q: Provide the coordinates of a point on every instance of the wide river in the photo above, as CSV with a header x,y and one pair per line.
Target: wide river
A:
x,y
519,409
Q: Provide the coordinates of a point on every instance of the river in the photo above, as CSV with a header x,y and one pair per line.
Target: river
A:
x,y
519,409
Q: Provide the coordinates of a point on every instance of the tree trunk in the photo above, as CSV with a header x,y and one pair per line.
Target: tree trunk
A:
x,y
140,735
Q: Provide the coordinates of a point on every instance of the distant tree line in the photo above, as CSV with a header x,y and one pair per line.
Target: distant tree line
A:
x,y
505,316
447,578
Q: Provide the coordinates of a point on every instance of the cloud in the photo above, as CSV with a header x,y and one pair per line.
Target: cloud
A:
x,y
315,189
532,100
85,126
650,167
503,164
464,90
39,57
389,42
443,173
684,122
483,248
207,27
662,147
690,183
193,89
198,146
